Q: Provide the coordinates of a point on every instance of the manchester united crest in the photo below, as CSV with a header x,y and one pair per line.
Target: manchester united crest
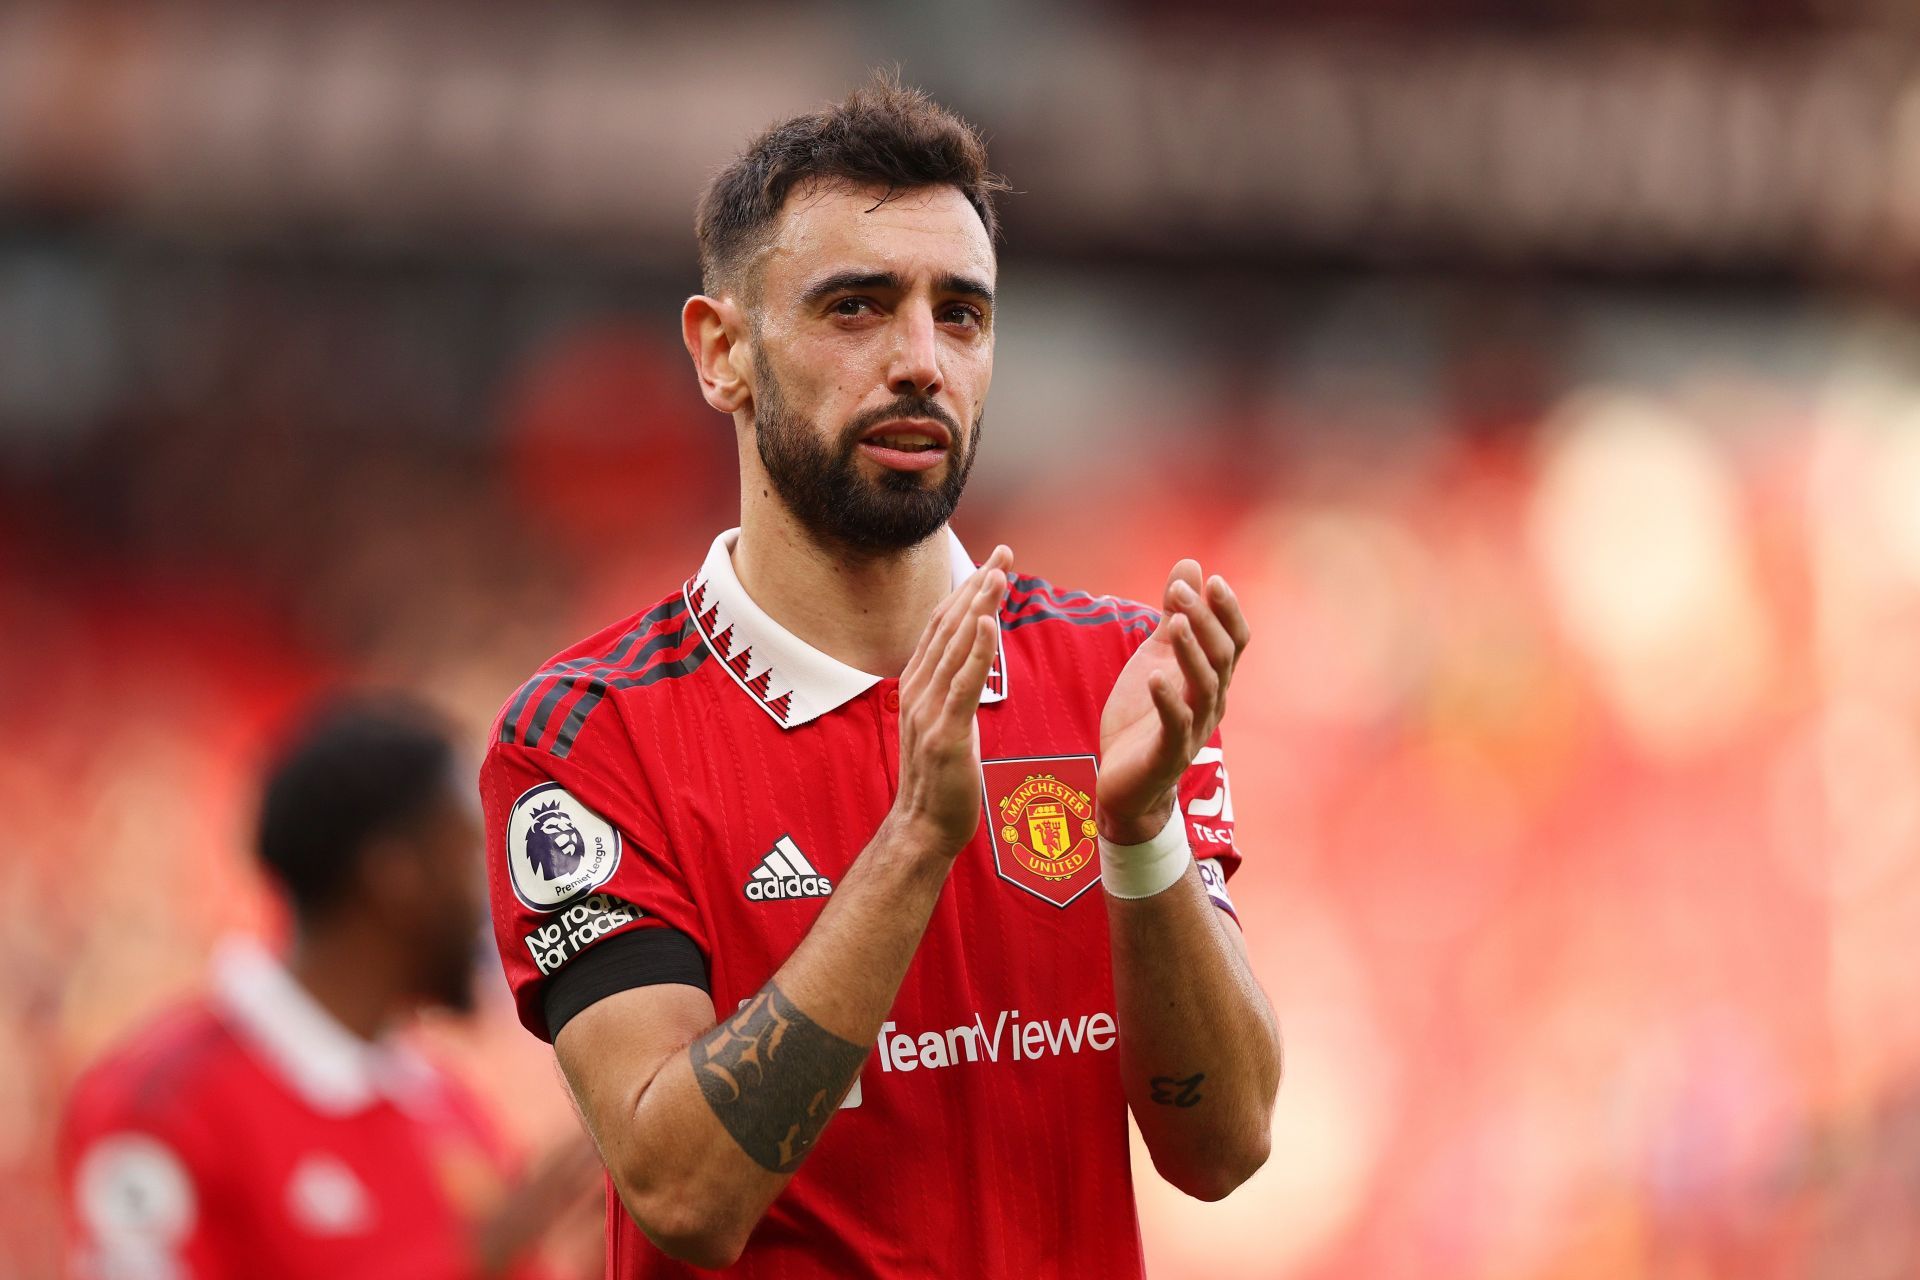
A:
x,y
1040,810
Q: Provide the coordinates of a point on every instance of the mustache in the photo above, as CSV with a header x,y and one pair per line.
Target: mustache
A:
x,y
902,407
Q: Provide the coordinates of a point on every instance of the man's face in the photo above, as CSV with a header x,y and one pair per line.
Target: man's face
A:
x,y
445,927
872,351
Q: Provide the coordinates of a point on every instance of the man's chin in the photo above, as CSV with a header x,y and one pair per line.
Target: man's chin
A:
x,y
896,525
453,989
869,509
458,1000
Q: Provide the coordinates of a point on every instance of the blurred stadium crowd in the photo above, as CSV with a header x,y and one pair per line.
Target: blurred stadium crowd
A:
x,y
1576,754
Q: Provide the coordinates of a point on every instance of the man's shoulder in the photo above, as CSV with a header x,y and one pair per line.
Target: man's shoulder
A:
x,y
161,1071
642,651
1067,616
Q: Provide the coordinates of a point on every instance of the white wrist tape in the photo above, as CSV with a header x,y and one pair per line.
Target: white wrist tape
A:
x,y
1153,866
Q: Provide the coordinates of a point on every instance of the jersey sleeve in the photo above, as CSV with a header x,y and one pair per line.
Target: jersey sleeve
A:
x,y
140,1198
1207,801
576,855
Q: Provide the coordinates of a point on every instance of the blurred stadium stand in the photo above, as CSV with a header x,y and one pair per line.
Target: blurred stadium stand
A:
x,y
1543,377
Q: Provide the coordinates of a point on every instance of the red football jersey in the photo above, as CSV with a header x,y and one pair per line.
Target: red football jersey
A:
x,y
248,1134
698,767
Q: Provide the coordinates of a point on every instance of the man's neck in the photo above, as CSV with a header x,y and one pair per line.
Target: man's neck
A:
x,y
346,977
865,611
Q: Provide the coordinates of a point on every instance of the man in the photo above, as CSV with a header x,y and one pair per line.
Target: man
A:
x,y
931,1021
271,1129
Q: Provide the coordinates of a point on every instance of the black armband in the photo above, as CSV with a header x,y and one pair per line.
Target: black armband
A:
x,y
636,958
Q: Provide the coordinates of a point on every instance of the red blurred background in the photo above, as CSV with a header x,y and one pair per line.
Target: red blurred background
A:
x,y
1542,378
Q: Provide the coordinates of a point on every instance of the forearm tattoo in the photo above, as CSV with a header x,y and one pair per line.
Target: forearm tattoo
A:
x,y
1169,1092
773,1077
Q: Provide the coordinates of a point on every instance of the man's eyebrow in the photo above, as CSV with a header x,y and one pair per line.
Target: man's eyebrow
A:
x,y
887,281
967,287
847,281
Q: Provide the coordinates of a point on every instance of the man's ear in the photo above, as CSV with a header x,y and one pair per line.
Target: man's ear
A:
x,y
715,331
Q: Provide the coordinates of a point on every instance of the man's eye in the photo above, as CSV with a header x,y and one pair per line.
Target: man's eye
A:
x,y
962,314
851,306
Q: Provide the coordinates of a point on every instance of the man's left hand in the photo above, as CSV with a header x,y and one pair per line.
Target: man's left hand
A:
x,y
1166,703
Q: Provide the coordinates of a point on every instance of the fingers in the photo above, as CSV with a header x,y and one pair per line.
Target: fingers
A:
x,y
1214,612
1187,571
963,691
1226,607
948,617
1176,717
1207,628
1203,678
910,674
938,626
960,638
939,787
1207,631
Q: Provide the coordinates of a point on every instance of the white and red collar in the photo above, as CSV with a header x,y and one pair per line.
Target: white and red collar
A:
x,y
333,1070
791,680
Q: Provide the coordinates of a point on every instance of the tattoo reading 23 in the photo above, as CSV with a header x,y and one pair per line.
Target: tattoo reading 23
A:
x,y
773,1076
1177,1093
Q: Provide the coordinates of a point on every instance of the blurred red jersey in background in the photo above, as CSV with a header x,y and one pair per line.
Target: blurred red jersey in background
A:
x,y
248,1134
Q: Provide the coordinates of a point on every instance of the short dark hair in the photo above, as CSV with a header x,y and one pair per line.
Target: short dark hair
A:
x,y
357,769
882,134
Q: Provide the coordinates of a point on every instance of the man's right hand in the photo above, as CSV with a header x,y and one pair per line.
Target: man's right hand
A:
x,y
939,796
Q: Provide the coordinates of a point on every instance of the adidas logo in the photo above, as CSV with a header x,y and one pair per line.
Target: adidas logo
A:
x,y
786,873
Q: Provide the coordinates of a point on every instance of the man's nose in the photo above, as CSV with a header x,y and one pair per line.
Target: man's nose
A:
x,y
915,368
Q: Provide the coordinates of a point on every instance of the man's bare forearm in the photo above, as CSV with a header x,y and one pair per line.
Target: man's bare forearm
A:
x,y
725,1124
1199,1048
772,1076
774,1073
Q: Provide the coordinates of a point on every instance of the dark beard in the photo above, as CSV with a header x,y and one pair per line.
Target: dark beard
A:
x,y
448,980
823,488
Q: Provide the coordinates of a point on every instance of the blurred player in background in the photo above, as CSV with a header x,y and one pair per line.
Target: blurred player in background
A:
x,y
273,1127
762,798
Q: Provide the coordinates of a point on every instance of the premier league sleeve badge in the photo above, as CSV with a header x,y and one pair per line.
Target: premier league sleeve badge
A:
x,y
558,850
